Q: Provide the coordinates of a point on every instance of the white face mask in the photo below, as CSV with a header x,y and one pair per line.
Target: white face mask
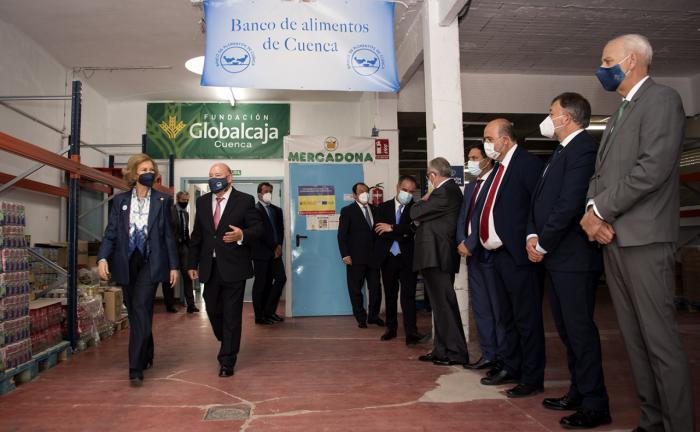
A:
x,y
474,168
547,127
491,151
267,198
363,198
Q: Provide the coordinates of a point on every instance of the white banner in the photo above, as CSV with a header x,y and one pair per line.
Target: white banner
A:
x,y
319,45
331,150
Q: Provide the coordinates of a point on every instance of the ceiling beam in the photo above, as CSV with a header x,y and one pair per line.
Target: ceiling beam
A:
x,y
409,55
448,10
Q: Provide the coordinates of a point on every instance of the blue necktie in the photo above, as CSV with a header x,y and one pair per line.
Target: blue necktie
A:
x,y
369,221
272,222
395,249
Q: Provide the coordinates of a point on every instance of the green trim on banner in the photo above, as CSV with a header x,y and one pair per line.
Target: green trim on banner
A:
x,y
216,130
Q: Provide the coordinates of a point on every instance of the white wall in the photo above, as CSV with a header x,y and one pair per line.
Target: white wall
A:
x,y
513,93
28,70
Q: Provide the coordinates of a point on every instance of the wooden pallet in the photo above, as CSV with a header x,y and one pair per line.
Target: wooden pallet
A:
x,y
51,357
26,372
121,324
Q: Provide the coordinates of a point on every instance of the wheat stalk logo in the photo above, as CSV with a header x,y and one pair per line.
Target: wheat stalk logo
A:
x,y
172,128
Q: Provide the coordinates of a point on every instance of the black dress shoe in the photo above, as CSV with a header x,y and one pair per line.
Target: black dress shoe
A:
x,y
148,364
495,369
563,403
416,339
427,357
502,377
263,321
192,309
378,321
482,363
135,378
275,317
586,419
171,309
447,362
388,335
225,371
523,390
362,325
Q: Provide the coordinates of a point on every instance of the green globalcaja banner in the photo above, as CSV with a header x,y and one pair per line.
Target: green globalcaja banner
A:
x,y
216,130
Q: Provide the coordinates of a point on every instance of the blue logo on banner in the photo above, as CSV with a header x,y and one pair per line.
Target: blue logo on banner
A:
x,y
365,60
235,57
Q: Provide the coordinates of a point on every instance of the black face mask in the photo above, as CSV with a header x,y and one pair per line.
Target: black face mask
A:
x,y
147,179
182,204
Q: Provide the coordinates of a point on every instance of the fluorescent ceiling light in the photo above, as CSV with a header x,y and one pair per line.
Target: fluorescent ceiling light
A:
x,y
596,127
195,65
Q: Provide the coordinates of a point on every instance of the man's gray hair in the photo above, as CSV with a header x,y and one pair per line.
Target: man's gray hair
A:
x,y
181,194
637,44
441,167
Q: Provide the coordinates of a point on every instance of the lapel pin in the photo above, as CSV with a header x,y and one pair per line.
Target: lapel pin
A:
x,y
161,198
124,207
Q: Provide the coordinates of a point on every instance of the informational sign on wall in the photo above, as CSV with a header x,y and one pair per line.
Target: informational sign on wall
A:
x,y
320,45
381,148
316,200
216,130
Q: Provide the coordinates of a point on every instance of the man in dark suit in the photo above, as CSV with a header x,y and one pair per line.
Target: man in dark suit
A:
x,y
633,211
394,250
503,215
225,225
436,257
267,260
572,262
356,239
482,291
181,223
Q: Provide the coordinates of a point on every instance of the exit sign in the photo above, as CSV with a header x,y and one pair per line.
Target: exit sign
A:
x,y
236,172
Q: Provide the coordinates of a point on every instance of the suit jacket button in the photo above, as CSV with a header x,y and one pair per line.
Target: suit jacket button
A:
x,y
214,237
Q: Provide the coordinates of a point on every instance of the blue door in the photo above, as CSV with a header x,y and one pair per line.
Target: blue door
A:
x,y
318,274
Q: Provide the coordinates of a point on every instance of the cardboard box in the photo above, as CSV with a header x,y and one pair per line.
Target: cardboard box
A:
x,y
113,303
92,261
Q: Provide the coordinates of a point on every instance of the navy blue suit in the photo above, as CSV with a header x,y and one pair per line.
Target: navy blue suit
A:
x,y
139,276
518,281
573,264
481,278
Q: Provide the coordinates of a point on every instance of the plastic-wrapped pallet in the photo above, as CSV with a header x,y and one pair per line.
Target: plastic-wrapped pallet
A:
x,y
14,287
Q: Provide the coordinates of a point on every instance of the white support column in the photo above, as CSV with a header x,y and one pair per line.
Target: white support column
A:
x,y
443,94
443,105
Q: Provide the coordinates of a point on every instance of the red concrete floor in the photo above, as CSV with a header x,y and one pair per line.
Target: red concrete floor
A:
x,y
306,374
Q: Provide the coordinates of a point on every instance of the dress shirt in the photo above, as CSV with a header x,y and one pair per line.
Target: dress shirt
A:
x,y
494,241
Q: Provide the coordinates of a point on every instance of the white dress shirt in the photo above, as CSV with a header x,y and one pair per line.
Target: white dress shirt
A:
x,y
494,241
564,143
628,98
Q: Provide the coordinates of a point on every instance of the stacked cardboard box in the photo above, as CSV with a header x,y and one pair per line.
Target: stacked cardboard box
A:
x,y
46,317
15,342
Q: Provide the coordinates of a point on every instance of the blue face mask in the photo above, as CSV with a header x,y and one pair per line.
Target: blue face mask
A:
x,y
217,184
611,77
147,179
405,197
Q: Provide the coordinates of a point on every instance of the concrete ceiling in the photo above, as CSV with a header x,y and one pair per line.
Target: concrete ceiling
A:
x,y
566,38
526,36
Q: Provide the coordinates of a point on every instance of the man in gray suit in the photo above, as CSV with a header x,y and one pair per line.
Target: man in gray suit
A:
x,y
633,210
436,257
